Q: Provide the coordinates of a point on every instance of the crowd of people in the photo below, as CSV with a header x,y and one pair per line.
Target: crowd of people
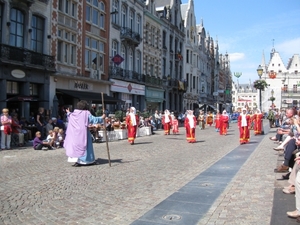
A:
x,y
18,131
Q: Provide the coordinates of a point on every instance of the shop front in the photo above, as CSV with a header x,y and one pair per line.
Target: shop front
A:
x,y
154,99
131,93
67,92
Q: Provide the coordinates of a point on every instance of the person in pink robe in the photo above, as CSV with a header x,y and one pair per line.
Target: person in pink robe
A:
x,y
78,141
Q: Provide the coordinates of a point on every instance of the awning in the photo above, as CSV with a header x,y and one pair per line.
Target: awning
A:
x,y
205,106
23,98
91,96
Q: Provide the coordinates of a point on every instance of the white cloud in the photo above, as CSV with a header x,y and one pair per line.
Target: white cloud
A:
x,y
288,48
236,56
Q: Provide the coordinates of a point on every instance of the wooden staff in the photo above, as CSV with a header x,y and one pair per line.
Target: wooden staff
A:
x,y
105,133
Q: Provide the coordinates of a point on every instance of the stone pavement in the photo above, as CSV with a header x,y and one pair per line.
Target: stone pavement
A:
x,y
40,187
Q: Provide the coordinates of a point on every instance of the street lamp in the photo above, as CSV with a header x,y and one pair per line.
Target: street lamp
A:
x,y
260,72
272,98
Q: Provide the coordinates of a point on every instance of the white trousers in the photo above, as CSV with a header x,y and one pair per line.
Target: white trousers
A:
x,y
5,140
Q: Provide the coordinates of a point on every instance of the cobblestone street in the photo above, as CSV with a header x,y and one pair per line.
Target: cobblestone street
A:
x,y
40,187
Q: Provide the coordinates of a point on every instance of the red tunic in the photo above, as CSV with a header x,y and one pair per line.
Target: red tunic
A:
x,y
190,131
244,130
217,121
257,119
132,129
223,124
167,125
175,126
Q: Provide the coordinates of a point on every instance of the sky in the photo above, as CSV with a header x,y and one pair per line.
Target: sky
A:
x,y
245,29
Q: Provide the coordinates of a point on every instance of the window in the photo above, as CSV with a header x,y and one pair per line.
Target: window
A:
x,y
123,54
37,34
138,24
114,49
153,36
16,37
95,13
164,66
171,43
130,65
66,47
138,62
33,89
12,87
115,9
164,39
94,57
68,7
131,20
123,16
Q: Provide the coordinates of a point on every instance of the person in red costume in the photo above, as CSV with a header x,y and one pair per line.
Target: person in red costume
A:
x,y
244,126
167,122
190,124
224,119
258,125
217,121
132,122
174,124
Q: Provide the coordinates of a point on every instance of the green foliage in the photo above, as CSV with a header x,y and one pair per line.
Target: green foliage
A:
x,y
260,84
120,114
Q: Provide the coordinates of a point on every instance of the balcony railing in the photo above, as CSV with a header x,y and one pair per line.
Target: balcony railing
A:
x,y
290,91
130,36
126,75
27,57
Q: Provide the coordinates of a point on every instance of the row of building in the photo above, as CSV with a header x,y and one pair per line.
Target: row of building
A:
x,y
150,54
283,89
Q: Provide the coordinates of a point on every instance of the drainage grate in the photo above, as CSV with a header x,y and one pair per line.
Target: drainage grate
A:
x,y
172,217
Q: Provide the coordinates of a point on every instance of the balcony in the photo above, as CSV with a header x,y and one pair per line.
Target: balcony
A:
x,y
131,37
286,92
126,75
153,81
22,56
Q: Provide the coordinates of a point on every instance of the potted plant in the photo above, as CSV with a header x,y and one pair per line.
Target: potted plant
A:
x,y
260,84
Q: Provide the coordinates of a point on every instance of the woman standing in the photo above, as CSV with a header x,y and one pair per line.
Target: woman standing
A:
x,y
41,122
5,129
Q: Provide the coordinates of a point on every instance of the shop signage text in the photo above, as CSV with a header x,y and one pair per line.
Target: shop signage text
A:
x,y
81,85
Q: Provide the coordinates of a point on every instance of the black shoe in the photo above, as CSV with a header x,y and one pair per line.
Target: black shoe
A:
x,y
76,165
286,177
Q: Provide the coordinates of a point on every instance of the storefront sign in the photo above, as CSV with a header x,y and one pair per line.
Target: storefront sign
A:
x,y
81,85
126,87
18,74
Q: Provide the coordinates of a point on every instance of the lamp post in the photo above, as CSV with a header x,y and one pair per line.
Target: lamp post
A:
x,y
272,98
260,72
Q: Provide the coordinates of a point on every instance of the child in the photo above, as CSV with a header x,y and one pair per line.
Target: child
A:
x,y
50,138
60,138
38,144
175,125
